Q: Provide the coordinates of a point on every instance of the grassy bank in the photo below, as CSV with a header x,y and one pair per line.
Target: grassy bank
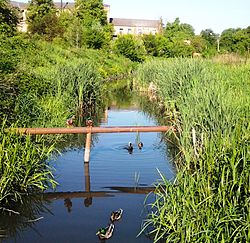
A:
x,y
42,84
210,106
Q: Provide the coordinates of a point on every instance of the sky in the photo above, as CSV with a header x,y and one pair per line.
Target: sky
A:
x,y
217,15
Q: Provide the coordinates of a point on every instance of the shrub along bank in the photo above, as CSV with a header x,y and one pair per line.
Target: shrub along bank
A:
x,y
210,105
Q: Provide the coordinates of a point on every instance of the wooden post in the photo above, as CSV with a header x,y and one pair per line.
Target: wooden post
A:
x,y
88,142
87,148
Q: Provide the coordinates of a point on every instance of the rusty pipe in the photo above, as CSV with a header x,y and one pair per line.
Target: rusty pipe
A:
x,y
81,130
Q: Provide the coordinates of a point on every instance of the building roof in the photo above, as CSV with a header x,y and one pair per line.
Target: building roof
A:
x,y
135,22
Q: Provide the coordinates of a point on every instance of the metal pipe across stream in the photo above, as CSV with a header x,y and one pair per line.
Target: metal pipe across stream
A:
x,y
89,130
80,130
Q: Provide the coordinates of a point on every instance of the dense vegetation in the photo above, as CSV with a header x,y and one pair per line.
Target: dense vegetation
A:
x,y
209,104
62,67
42,84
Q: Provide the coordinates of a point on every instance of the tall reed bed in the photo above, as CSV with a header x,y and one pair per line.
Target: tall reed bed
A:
x,y
210,105
52,83
23,167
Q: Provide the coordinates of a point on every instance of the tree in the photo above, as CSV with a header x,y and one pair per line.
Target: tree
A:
x,y
95,32
8,18
42,18
179,36
180,30
97,36
130,47
209,36
150,44
89,10
235,40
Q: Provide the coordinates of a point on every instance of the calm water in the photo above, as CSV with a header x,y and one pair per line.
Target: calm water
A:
x,y
106,184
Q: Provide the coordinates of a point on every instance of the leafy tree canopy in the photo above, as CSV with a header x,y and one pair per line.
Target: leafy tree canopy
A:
x,y
42,19
209,36
130,47
89,10
235,40
39,8
179,30
8,18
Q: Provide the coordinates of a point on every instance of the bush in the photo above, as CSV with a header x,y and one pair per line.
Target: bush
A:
x,y
130,47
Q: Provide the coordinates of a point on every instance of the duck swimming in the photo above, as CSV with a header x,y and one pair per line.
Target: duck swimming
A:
x,y
129,147
106,233
116,215
140,145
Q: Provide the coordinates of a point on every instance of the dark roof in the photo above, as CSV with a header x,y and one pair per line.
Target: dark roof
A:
x,y
135,22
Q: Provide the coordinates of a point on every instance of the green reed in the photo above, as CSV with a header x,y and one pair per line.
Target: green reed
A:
x,y
23,167
209,105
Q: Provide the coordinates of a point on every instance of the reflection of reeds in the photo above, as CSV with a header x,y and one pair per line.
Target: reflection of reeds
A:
x,y
210,104
12,224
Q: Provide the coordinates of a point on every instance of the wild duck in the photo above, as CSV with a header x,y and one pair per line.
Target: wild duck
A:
x,y
106,233
129,147
140,145
116,215
70,121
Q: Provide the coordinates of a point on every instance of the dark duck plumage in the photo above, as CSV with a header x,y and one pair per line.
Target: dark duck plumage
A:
x,y
140,145
116,215
106,233
129,147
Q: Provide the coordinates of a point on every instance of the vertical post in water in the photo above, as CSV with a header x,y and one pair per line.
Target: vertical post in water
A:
x,y
88,142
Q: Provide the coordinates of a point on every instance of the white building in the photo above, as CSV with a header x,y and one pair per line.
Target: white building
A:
x,y
135,26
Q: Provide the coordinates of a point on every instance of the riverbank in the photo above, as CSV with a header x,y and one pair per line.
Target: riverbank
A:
x,y
42,85
209,104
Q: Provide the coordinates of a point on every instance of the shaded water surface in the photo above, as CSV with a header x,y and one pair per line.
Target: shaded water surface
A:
x,y
114,178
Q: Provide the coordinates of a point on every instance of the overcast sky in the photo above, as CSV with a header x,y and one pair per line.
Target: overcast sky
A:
x,y
217,15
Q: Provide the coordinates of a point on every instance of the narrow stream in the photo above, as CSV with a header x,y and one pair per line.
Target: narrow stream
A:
x,y
114,178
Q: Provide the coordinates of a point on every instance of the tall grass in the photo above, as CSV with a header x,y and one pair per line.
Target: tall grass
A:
x,y
209,199
23,167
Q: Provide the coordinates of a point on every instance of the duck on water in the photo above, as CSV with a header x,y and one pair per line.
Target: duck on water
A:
x,y
129,147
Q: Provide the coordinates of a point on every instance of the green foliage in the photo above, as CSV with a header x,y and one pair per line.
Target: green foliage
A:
x,y
177,34
96,36
93,30
151,45
178,30
42,19
209,106
235,40
130,47
23,167
210,37
8,18
89,10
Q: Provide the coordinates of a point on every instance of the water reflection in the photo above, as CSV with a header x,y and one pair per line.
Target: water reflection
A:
x,y
21,217
88,199
89,192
